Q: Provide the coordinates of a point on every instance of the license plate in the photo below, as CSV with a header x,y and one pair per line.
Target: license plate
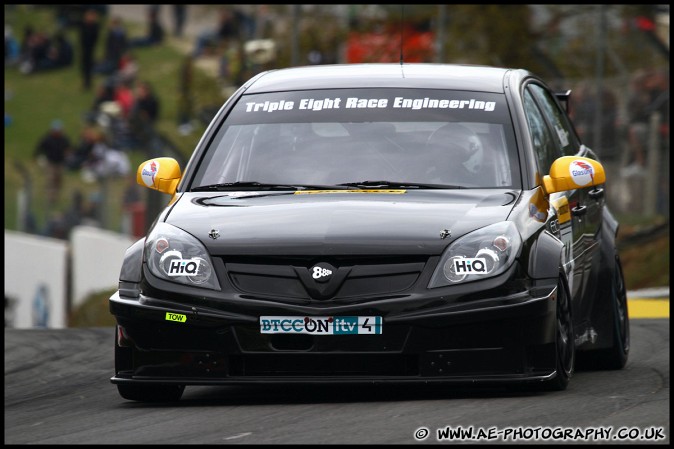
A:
x,y
321,325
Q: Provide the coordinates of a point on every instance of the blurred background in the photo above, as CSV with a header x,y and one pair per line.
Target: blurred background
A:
x,y
91,91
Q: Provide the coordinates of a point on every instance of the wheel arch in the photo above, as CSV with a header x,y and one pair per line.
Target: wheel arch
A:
x,y
545,257
132,265
601,312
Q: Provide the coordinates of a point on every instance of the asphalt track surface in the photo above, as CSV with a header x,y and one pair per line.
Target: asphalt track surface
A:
x,y
57,391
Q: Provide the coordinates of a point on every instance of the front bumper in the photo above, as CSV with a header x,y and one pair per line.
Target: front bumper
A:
x,y
505,339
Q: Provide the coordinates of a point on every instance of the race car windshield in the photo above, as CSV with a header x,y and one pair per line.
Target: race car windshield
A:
x,y
431,138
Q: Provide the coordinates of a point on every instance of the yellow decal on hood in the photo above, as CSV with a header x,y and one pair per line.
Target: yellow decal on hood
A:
x,y
313,192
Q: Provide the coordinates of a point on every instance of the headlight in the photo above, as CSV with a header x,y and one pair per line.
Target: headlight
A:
x,y
478,255
176,256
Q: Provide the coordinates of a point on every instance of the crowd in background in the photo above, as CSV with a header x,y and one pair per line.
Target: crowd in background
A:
x,y
622,131
122,117
125,109
37,51
648,92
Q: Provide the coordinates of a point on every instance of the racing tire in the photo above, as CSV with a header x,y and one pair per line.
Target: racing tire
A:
x,y
151,393
615,356
565,348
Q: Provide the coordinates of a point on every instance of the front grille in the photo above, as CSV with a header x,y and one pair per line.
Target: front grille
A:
x,y
291,278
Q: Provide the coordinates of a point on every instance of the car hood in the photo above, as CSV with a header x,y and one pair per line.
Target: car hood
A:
x,y
345,222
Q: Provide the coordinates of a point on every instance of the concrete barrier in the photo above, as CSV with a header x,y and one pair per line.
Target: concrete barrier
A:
x,y
97,257
37,270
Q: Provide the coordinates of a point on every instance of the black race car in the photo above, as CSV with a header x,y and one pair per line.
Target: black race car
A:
x,y
375,223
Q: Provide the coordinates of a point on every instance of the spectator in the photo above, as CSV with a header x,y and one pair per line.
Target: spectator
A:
x,y
226,31
89,32
56,227
54,147
84,150
609,125
74,215
155,30
146,105
104,93
133,209
124,97
24,48
144,113
128,68
111,108
263,23
60,224
132,193
116,44
185,98
637,131
179,19
584,115
80,213
49,54
582,105
105,161
12,47
657,85
62,50
34,49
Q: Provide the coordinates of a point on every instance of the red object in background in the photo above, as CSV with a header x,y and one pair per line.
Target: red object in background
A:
x,y
385,46
137,214
644,23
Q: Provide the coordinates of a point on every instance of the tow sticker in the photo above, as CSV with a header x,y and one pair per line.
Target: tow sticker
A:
x,y
176,317
321,325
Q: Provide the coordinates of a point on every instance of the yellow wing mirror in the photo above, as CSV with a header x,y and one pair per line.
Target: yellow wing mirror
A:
x,y
573,172
162,173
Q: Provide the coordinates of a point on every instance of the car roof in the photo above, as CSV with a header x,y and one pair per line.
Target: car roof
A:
x,y
413,75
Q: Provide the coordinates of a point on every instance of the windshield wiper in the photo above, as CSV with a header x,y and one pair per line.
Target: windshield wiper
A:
x,y
399,185
255,185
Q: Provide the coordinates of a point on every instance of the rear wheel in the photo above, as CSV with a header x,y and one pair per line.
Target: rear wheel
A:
x,y
615,356
151,393
564,341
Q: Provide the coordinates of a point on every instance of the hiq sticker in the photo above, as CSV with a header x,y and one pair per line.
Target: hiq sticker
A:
x,y
468,265
183,267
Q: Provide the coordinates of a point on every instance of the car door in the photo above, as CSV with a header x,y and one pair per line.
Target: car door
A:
x,y
585,204
546,151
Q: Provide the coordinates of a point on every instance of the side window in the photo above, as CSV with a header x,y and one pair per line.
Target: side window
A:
x,y
563,133
546,149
